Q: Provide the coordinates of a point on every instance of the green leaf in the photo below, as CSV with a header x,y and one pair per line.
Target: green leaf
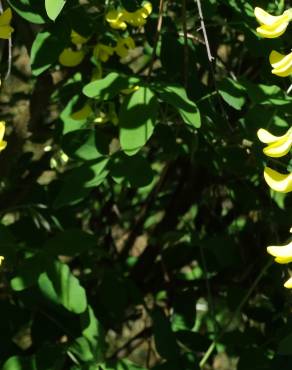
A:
x,y
137,118
47,47
285,346
164,338
61,287
91,345
54,8
78,182
20,363
31,10
28,273
135,170
109,86
233,93
177,97
93,333
70,242
86,144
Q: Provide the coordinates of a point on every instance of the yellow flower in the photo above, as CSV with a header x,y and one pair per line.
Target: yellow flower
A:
x,y
118,19
282,254
123,46
103,52
5,28
71,58
77,39
278,145
115,19
3,143
278,181
272,26
1,260
282,64
82,113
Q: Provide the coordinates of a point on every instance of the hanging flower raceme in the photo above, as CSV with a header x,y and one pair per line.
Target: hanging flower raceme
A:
x,y
282,64
278,146
5,28
3,143
272,26
119,19
282,254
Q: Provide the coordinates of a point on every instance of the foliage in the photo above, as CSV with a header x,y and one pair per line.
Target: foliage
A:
x,y
134,213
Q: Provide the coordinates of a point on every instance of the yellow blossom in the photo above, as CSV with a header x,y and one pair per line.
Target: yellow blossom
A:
x,y
115,19
278,181
118,19
71,58
272,26
124,45
278,145
282,64
282,254
103,52
77,39
5,28
3,143
1,260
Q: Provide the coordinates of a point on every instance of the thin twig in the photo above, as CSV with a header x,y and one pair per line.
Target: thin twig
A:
x,y
156,39
210,57
237,311
9,61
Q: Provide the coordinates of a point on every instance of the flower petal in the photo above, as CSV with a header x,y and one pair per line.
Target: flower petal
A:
x,y
264,17
266,137
278,181
71,58
284,251
280,147
282,64
115,19
288,283
2,129
283,260
273,31
78,39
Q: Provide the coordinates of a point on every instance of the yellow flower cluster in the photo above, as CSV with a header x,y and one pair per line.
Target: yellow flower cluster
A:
x,y
271,27
5,28
277,146
119,19
3,143
72,58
